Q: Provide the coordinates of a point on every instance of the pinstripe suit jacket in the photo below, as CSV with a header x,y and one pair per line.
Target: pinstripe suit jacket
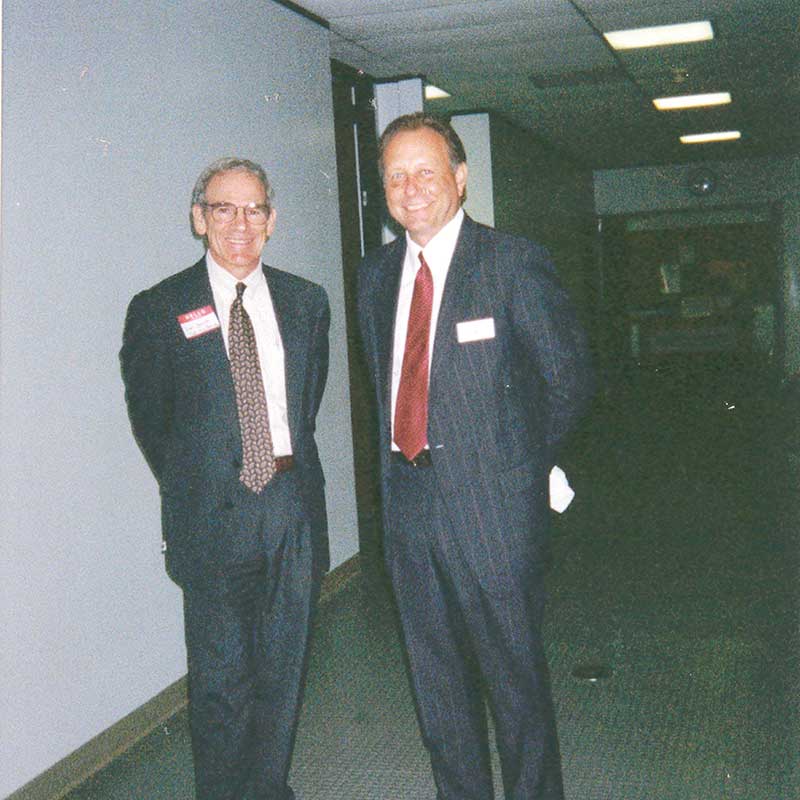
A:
x,y
182,408
498,407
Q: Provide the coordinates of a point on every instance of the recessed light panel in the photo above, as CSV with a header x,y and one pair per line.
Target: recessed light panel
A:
x,y
714,136
692,101
660,35
434,92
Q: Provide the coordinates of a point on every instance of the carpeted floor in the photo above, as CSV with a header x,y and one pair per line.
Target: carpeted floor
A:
x,y
672,628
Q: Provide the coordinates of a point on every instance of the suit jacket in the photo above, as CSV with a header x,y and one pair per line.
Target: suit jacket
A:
x,y
498,407
182,408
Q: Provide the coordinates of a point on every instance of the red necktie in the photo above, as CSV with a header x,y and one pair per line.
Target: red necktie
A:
x,y
411,406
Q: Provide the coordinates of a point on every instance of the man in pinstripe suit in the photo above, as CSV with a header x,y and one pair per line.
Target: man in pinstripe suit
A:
x,y
466,450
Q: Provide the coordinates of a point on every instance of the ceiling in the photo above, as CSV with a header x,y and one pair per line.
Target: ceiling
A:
x,y
544,65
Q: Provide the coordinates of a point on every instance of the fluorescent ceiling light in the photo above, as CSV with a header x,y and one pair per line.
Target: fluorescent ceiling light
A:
x,y
660,35
716,136
434,92
692,101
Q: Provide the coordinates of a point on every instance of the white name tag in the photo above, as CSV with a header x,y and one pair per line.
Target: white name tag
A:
x,y
197,322
474,330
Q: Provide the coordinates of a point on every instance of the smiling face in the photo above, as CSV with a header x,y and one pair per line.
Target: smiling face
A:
x,y
234,245
423,192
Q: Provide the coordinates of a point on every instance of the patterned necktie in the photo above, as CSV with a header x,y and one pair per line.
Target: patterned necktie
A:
x,y
258,461
411,406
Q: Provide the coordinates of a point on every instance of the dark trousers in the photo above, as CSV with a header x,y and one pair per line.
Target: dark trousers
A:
x,y
466,646
247,633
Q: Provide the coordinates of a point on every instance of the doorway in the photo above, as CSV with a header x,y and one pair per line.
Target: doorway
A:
x,y
361,212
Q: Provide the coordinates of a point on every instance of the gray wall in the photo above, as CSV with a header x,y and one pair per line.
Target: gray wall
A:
x,y
739,183
109,113
772,183
475,134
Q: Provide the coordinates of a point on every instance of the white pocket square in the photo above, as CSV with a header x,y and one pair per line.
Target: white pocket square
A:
x,y
561,493
474,330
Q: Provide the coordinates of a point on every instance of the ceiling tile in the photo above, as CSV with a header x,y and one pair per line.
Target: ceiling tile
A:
x,y
544,65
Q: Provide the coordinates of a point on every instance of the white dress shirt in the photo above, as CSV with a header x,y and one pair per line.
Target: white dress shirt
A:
x,y
258,305
438,254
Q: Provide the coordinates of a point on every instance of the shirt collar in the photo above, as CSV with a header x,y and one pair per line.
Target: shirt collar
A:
x,y
439,250
223,279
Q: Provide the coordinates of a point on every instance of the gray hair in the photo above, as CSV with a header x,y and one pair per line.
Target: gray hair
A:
x,y
230,165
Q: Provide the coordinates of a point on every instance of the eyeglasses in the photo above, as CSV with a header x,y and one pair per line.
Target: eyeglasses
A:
x,y
226,212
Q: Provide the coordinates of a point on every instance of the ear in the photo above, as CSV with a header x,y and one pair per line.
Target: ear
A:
x,y
461,179
271,222
199,220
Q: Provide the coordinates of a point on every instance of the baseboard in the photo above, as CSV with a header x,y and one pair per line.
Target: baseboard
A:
x,y
78,766
84,762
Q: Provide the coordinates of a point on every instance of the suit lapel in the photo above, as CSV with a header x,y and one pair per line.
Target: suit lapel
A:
x,y
210,347
458,289
386,314
196,290
209,351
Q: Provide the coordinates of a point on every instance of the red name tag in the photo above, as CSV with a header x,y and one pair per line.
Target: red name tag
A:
x,y
197,322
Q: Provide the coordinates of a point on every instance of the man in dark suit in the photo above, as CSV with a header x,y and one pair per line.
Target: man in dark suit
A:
x,y
224,367
480,369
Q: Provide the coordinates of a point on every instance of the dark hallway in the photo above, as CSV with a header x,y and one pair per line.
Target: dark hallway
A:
x,y
672,626
676,571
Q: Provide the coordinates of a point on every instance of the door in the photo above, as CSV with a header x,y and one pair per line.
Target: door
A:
x,y
360,204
